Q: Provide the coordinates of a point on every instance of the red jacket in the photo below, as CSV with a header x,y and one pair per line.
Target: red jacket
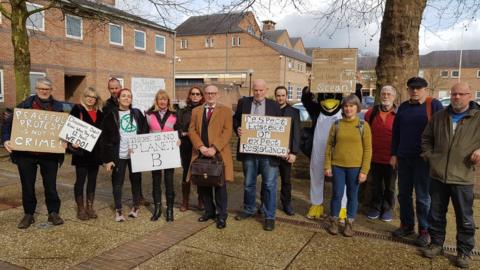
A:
x,y
381,136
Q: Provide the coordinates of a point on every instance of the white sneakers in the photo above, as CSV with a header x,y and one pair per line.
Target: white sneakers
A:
x,y
119,216
134,212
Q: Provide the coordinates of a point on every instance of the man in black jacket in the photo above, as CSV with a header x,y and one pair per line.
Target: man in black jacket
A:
x,y
285,166
27,162
254,164
113,87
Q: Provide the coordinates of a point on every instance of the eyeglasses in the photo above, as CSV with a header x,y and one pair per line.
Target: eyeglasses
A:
x,y
459,94
210,93
94,97
195,94
44,88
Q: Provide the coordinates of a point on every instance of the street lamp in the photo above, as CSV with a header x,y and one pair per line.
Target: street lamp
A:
x,y
250,72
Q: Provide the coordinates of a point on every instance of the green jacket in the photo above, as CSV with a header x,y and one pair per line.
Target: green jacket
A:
x,y
449,153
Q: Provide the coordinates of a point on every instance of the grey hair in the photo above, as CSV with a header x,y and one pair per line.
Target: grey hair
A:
x,y
352,99
45,81
389,87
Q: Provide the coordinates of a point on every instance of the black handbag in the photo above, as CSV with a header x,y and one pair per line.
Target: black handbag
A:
x,y
208,172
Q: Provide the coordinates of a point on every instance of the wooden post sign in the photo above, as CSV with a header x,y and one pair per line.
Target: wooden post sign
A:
x,y
154,151
80,132
334,70
37,130
265,135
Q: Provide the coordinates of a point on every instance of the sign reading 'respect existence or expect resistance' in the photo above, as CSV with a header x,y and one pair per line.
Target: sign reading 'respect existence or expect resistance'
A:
x,y
265,135
37,130
154,151
334,70
81,133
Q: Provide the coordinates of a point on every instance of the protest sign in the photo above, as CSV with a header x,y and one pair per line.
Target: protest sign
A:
x,y
81,133
265,135
37,130
144,90
154,151
334,70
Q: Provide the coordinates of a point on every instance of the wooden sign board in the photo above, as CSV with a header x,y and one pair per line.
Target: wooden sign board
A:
x,y
265,135
80,132
144,90
37,130
334,70
154,151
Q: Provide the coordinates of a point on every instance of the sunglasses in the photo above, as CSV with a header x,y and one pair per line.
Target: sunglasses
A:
x,y
94,97
195,94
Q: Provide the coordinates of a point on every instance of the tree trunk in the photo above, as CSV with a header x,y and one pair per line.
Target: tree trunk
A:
x,y
398,53
21,49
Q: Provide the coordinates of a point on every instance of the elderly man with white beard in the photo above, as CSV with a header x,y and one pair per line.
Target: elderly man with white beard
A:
x,y
380,118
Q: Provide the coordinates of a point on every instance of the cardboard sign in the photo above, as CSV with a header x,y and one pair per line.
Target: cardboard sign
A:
x,y
37,130
265,135
155,151
79,132
334,70
144,90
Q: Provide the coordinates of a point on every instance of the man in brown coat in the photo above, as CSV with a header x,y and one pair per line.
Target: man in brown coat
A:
x,y
210,132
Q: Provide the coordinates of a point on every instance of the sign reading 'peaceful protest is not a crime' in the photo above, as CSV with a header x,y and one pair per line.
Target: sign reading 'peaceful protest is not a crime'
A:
x,y
334,70
265,135
80,133
154,151
37,130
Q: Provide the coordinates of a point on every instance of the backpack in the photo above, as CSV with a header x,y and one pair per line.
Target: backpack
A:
x,y
361,127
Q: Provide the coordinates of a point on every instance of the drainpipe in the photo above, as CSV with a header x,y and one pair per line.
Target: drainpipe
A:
x,y
174,63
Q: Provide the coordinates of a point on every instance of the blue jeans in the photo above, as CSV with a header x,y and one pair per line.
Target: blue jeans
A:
x,y
344,176
252,166
413,173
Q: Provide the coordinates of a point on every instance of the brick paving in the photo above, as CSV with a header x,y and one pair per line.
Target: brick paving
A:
x,y
137,251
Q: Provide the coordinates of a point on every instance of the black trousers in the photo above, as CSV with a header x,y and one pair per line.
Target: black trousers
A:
x,y
157,186
83,173
285,169
462,200
27,167
383,187
118,177
219,208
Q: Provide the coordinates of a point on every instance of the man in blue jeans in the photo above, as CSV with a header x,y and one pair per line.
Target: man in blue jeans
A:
x,y
254,164
410,121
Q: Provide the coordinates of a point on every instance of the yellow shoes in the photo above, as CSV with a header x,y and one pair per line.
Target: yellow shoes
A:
x,y
315,212
342,215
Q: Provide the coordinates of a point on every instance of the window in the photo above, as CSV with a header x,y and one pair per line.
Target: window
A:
x,y
209,42
235,41
140,40
299,93
35,21
34,76
183,44
421,73
250,30
444,73
477,94
73,27
289,91
478,73
160,44
116,34
443,93
455,73
1,86
122,81
290,64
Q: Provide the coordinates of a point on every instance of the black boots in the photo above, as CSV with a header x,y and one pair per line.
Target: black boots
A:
x,y
170,208
157,212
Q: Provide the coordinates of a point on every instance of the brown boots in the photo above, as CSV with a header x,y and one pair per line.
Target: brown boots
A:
x,y
333,227
185,196
88,212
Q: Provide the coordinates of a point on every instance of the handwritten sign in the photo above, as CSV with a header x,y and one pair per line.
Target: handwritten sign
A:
x,y
144,90
265,135
81,133
334,70
37,130
155,151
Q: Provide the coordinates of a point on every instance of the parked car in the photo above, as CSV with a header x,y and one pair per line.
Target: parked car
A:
x,y
445,101
304,116
368,102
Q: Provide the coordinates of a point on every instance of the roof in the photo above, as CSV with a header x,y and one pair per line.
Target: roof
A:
x,y
294,40
287,52
273,35
309,50
450,59
112,12
211,24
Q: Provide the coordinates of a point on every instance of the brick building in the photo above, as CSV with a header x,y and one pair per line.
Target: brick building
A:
x,y
232,50
440,68
85,43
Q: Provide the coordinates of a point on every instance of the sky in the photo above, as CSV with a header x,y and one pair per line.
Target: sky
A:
x,y
447,35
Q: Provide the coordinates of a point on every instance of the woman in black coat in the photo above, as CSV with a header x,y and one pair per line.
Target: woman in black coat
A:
x,y
86,163
195,98
116,128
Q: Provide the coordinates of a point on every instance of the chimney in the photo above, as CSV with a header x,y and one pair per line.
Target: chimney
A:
x,y
106,2
268,25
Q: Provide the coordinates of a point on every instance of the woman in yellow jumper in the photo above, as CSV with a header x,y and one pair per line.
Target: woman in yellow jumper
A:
x,y
347,159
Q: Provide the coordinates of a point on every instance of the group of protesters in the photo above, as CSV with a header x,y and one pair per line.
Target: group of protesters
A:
x,y
432,150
